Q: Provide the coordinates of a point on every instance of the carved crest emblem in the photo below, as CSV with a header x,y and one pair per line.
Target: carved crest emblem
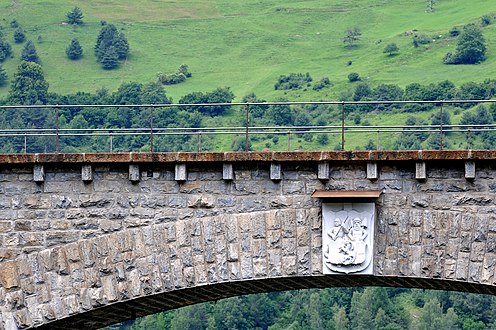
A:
x,y
347,237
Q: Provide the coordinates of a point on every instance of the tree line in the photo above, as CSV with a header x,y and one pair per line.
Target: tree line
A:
x,y
29,87
371,308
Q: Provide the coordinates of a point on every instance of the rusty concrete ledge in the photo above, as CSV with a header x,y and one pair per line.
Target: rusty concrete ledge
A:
x,y
293,156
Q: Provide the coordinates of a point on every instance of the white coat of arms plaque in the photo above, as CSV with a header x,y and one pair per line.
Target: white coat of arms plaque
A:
x,y
348,237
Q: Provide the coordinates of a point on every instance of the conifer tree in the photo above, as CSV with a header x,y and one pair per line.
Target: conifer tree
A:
x,y
74,51
5,49
29,85
110,60
3,76
19,35
108,38
75,16
29,53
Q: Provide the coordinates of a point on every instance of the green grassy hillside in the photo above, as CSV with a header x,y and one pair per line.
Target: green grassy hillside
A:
x,y
248,44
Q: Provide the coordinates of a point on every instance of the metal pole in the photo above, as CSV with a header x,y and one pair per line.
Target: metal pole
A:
x,y
247,107
342,126
441,126
110,140
199,141
151,129
57,130
468,138
378,140
25,143
289,140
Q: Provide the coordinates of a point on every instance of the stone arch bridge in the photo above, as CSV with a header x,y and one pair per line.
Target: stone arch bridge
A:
x,y
87,240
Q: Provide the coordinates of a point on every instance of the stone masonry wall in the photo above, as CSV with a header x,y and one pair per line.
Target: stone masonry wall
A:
x,y
68,247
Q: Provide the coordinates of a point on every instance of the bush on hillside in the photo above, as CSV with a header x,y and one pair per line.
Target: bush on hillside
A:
x,y
421,39
470,49
322,83
354,76
486,20
175,78
455,31
391,49
292,81
171,79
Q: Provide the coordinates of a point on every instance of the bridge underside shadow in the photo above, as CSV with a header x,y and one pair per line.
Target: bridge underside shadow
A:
x,y
139,307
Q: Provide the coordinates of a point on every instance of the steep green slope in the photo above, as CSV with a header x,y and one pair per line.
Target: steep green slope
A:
x,y
248,44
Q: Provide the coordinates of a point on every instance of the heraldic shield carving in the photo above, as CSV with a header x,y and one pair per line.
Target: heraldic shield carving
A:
x,y
348,237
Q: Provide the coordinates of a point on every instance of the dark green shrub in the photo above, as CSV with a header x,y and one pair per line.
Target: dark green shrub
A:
x,y
354,76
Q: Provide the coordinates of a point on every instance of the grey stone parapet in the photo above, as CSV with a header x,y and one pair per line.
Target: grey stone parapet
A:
x,y
79,253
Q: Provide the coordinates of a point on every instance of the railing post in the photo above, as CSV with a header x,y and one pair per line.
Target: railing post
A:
x,y
56,130
468,138
342,126
289,140
25,143
151,128
111,142
441,126
199,141
247,108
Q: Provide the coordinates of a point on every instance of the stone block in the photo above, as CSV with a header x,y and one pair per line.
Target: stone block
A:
x,y
323,171
470,170
462,264
86,173
134,173
420,171
9,277
275,171
38,173
180,172
227,171
372,171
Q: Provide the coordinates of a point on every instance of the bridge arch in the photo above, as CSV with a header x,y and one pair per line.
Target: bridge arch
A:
x,y
131,236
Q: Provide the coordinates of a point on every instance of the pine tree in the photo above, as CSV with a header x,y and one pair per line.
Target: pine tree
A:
x,y
110,60
3,76
5,49
74,51
19,35
29,85
75,16
29,53
121,46
110,38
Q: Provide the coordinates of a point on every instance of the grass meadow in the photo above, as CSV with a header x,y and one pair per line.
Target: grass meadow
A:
x,y
248,44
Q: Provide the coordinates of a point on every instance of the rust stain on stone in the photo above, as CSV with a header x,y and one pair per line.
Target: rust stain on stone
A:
x,y
264,156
